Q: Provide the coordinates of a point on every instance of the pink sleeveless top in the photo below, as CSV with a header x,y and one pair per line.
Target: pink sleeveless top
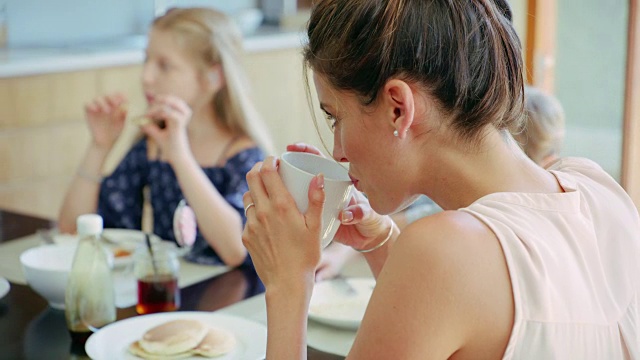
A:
x,y
574,263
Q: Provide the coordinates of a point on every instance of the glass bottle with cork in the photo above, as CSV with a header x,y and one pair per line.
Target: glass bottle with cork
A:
x,y
90,295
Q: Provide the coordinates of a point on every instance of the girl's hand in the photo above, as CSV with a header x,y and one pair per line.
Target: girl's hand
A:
x,y
106,116
172,140
284,244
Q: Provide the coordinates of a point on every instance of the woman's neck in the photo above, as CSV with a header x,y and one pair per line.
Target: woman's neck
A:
x,y
458,178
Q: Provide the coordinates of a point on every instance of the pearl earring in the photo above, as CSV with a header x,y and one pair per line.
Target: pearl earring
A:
x,y
395,133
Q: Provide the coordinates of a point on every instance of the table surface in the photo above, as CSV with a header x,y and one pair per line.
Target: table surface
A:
x,y
30,329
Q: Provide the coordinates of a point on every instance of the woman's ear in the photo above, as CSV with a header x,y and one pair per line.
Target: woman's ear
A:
x,y
400,102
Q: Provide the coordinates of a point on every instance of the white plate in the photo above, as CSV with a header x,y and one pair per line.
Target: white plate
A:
x,y
341,302
125,240
112,341
4,287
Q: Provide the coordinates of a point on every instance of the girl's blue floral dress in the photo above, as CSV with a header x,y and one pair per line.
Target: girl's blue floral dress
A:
x,y
121,194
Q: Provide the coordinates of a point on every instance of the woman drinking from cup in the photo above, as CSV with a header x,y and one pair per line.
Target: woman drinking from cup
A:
x,y
523,263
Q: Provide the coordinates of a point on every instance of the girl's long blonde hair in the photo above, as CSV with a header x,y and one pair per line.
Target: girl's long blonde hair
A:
x,y
213,39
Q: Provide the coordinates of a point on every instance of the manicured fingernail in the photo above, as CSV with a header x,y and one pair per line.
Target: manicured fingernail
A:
x,y
347,217
320,180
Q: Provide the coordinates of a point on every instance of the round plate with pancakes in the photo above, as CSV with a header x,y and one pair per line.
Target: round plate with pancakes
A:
x,y
113,341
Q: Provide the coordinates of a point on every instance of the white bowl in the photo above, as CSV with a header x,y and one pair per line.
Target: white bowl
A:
x,y
117,240
47,268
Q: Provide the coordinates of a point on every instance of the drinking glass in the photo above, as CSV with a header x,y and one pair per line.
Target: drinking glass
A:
x,y
157,274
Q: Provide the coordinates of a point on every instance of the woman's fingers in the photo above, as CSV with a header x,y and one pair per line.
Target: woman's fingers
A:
x,y
313,216
302,147
257,190
354,214
281,199
247,202
273,184
357,209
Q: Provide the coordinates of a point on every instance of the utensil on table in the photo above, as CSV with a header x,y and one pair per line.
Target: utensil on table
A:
x,y
45,235
147,240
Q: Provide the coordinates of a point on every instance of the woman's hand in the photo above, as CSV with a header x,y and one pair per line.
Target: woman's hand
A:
x,y
284,244
171,139
302,147
362,228
105,117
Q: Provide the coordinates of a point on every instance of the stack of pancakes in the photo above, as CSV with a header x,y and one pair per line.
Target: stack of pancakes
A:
x,y
179,339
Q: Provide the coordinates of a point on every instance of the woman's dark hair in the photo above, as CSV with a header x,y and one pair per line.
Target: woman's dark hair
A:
x,y
465,53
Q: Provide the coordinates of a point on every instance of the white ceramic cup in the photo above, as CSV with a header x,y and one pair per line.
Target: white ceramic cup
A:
x,y
297,169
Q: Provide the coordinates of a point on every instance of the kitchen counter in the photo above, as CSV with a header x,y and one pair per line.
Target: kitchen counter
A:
x,y
127,51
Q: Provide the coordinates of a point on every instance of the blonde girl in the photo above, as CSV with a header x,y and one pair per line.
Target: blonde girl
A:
x,y
204,136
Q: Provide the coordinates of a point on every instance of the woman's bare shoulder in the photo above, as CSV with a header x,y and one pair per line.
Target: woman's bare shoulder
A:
x,y
448,224
445,280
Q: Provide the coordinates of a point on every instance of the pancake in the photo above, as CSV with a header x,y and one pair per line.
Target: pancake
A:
x,y
173,337
217,342
138,351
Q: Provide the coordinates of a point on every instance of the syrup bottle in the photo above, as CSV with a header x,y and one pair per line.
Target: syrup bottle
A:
x,y
90,296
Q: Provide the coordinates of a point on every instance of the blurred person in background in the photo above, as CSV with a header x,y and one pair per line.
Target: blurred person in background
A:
x,y
542,133
202,136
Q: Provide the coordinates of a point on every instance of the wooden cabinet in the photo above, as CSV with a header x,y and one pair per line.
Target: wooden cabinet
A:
x,y
43,134
42,137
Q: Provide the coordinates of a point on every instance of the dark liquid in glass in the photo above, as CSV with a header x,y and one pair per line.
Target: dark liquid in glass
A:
x,y
157,294
79,337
